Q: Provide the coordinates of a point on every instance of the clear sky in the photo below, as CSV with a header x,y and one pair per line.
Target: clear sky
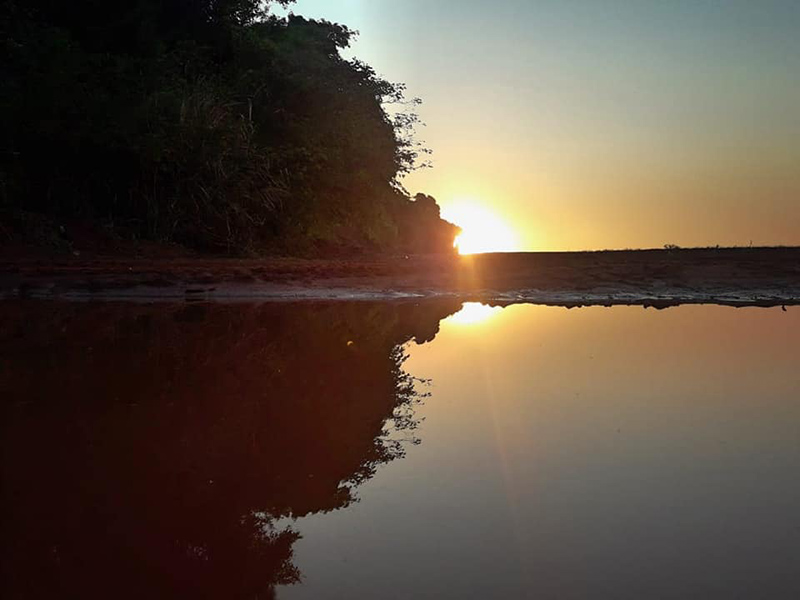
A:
x,y
587,124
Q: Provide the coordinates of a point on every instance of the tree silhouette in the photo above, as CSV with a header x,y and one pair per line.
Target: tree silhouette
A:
x,y
213,123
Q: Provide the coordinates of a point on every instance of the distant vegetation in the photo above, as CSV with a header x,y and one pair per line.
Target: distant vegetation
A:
x,y
212,123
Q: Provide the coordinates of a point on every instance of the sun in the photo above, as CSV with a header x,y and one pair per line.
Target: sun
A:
x,y
481,229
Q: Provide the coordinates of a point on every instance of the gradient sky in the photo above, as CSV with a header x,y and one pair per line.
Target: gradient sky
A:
x,y
588,124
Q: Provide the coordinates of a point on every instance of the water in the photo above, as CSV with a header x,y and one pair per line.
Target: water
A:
x,y
399,450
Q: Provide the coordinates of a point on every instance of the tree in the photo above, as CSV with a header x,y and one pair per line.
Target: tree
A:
x,y
210,122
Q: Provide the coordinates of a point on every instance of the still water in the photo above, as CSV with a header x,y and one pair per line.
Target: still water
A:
x,y
399,450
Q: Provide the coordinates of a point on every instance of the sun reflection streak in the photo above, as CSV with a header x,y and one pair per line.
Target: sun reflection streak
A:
x,y
501,451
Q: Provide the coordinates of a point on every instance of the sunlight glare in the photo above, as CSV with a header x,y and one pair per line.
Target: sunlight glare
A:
x,y
482,229
474,312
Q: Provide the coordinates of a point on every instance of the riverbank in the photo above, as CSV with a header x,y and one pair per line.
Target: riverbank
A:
x,y
734,276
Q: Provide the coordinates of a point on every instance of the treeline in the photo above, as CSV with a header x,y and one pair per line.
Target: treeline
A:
x,y
212,123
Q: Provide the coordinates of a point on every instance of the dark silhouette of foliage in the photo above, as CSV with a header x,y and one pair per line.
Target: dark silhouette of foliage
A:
x,y
153,451
210,122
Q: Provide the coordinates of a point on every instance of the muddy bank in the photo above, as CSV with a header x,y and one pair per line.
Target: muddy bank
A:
x,y
739,277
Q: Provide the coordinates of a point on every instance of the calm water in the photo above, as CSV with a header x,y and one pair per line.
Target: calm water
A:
x,y
399,451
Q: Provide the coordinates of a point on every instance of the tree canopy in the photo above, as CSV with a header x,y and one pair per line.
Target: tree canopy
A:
x,y
215,123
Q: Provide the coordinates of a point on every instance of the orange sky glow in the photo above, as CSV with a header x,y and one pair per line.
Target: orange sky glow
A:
x,y
583,125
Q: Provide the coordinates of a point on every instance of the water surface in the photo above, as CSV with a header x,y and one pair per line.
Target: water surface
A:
x,y
398,450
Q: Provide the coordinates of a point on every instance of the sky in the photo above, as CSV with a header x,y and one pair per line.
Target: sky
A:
x,y
589,124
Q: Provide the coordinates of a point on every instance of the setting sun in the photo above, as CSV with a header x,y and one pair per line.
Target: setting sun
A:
x,y
482,230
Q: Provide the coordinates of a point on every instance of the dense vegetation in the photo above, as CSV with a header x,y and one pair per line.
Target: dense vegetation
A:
x,y
213,123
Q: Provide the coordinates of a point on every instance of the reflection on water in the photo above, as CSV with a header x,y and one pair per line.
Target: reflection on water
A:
x,y
251,451
151,448
472,313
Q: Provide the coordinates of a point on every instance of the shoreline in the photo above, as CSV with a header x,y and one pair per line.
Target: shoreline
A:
x,y
651,278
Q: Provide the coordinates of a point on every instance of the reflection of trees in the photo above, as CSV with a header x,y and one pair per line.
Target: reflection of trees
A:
x,y
148,450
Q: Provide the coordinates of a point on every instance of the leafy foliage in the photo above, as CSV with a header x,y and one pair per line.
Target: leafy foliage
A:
x,y
210,122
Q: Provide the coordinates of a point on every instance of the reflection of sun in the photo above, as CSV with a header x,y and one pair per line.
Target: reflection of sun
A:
x,y
482,230
474,312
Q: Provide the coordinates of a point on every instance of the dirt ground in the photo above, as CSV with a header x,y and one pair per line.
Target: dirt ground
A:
x,y
738,276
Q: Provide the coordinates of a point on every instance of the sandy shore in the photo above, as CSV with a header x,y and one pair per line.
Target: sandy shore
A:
x,y
739,277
